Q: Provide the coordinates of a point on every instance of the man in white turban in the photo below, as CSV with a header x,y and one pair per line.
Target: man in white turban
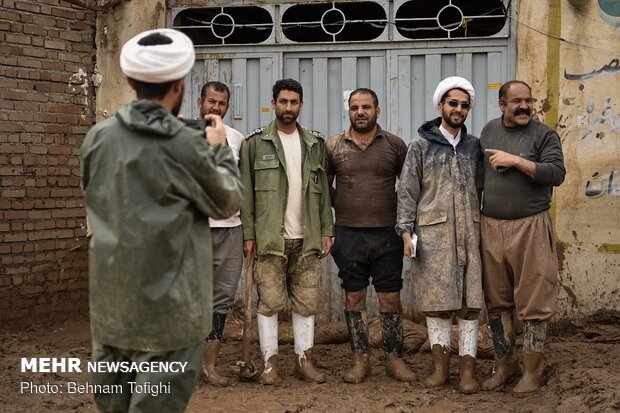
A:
x,y
150,185
438,219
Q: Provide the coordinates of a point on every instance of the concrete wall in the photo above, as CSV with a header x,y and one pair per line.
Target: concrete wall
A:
x,y
577,81
114,28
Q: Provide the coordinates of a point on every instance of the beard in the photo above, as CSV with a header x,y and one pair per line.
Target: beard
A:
x,y
370,125
203,112
177,106
287,118
457,124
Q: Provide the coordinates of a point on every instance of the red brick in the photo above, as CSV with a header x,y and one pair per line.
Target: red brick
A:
x,y
18,38
67,14
20,237
34,8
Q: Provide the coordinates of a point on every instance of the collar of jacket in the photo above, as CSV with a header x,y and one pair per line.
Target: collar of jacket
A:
x,y
308,139
430,131
146,116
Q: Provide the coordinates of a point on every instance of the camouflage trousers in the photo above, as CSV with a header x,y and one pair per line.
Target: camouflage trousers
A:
x,y
293,276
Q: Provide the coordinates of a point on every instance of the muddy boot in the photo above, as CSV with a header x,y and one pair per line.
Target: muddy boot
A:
x,y
506,365
468,348
441,362
211,351
268,337
306,370
303,332
270,374
534,333
439,330
467,375
210,374
358,333
360,369
534,367
395,366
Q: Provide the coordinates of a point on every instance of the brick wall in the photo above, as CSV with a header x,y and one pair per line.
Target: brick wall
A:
x,y
46,106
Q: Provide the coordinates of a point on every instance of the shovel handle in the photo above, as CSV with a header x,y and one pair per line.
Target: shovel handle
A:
x,y
247,315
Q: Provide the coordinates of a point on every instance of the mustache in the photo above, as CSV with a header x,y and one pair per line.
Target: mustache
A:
x,y
522,112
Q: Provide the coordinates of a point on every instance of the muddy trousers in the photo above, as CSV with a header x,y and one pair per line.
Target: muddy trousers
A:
x,y
137,392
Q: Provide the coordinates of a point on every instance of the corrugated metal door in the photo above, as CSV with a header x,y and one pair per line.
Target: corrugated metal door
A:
x,y
250,77
404,80
416,73
326,81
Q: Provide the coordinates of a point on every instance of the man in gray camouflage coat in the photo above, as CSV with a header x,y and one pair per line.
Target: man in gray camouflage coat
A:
x,y
439,200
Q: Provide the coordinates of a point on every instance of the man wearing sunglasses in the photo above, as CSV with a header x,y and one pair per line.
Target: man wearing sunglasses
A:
x,y
523,162
439,206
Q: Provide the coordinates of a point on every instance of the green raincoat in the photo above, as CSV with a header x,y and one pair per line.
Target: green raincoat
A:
x,y
265,183
150,184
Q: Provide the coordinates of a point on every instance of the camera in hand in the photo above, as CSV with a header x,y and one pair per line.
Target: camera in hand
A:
x,y
197,123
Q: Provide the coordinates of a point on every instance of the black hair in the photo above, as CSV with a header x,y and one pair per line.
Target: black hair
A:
x,y
366,91
503,91
288,84
148,90
215,85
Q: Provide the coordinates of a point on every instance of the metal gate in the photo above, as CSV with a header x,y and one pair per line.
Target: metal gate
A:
x,y
403,73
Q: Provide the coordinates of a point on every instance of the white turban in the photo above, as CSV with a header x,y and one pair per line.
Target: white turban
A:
x,y
158,63
453,82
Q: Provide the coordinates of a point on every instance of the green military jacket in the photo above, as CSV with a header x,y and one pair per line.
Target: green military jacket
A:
x,y
263,175
150,184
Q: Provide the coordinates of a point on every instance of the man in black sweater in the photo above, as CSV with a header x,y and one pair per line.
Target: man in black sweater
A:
x,y
523,162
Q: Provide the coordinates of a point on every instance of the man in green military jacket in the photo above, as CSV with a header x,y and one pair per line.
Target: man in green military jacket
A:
x,y
150,185
287,226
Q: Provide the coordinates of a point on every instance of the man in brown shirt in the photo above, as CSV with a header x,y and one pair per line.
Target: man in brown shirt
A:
x,y
366,160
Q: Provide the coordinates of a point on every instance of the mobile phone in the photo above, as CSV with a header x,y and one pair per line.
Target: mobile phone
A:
x,y
197,123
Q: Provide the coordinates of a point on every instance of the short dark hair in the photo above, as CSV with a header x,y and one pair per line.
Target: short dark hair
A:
x,y
288,84
503,91
366,91
148,90
215,85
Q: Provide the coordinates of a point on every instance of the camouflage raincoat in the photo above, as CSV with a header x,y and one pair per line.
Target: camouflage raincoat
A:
x,y
439,200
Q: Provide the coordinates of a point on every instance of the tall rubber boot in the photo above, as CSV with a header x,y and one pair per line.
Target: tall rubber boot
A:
x,y
506,364
468,348
268,337
395,366
534,333
358,333
439,330
211,351
303,331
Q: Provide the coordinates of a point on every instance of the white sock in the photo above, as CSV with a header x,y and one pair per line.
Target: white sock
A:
x,y
268,335
303,331
439,330
468,337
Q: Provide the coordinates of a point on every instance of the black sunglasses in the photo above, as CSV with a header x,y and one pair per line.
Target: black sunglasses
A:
x,y
455,103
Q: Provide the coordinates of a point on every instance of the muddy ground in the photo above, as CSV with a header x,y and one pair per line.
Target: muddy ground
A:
x,y
583,375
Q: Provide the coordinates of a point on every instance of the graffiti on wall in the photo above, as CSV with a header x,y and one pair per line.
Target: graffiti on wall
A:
x,y
612,67
603,184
